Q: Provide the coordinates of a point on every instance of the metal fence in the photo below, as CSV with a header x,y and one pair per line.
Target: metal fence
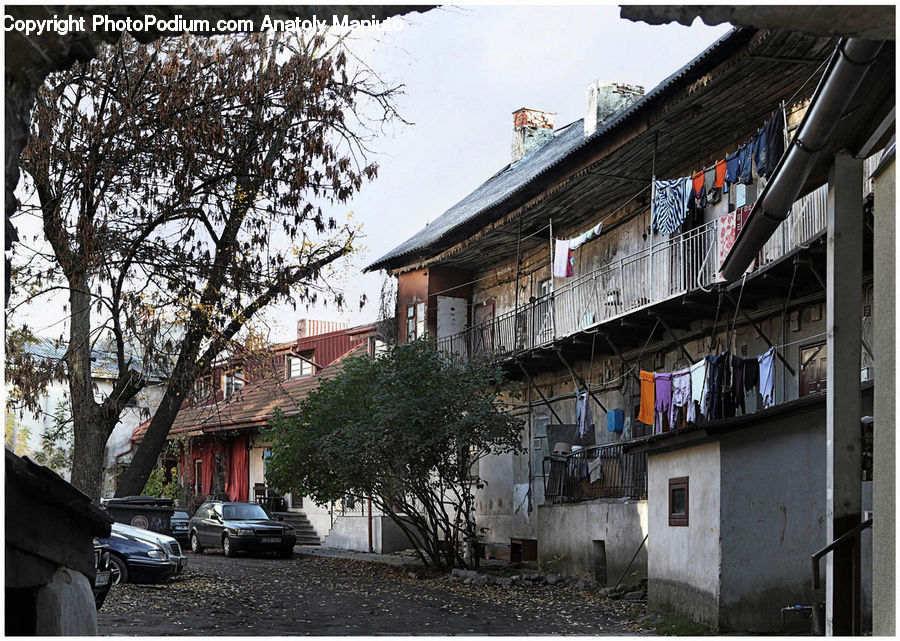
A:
x,y
599,471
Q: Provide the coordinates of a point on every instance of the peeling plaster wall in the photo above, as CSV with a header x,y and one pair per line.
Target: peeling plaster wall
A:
x,y
684,563
568,533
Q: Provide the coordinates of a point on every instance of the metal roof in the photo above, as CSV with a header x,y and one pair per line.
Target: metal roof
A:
x,y
514,178
103,362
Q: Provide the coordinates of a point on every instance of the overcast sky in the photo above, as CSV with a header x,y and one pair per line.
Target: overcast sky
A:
x,y
465,70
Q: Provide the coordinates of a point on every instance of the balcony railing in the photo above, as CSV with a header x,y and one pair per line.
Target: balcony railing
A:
x,y
672,267
600,471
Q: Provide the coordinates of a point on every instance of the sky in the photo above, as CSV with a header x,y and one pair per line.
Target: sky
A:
x,y
465,69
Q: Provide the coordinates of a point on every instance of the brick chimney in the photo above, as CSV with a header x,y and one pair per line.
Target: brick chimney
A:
x,y
531,130
605,100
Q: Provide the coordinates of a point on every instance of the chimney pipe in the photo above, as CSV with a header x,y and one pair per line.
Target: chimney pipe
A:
x,y
605,100
532,129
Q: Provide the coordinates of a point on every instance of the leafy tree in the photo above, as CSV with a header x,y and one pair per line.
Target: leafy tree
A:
x,y
179,187
56,441
405,428
158,487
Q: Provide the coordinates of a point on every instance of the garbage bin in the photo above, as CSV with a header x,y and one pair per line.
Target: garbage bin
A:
x,y
148,512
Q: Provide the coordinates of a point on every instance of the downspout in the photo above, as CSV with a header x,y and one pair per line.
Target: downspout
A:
x,y
836,89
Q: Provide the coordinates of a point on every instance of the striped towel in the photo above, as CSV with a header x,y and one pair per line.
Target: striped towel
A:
x,y
671,203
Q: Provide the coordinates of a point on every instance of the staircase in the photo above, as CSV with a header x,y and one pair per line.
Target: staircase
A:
x,y
306,534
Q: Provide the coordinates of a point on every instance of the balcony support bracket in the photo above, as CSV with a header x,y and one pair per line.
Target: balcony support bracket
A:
x,y
540,393
684,351
580,381
761,333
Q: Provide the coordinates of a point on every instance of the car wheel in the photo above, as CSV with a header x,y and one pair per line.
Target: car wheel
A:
x,y
195,543
118,570
227,546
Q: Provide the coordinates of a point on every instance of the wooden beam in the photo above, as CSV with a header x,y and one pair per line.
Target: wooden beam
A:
x,y
540,393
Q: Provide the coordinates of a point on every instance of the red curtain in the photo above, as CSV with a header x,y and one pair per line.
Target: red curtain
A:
x,y
237,485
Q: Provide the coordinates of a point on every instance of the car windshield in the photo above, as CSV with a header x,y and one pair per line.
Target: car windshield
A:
x,y
244,512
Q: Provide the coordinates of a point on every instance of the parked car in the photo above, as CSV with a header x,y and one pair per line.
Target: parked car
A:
x,y
238,527
142,556
180,520
102,574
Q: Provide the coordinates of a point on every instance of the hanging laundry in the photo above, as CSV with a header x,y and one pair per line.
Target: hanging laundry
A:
x,y
751,374
563,265
583,417
581,239
713,193
698,390
767,377
681,396
595,469
698,184
727,233
648,398
720,168
737,383
719,382
671,203
733,167
663,384
774,135
745,160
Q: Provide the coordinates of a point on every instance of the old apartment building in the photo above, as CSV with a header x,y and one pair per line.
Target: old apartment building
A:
x,y
590,266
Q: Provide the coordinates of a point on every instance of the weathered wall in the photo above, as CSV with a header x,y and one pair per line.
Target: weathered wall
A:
x,y
773,519
683,564
570,533
351,532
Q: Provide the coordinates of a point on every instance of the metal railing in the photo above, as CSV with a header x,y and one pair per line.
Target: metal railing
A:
x,y
599,471
671,267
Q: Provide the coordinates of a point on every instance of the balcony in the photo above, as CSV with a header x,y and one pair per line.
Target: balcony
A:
x,y
670,268
600,471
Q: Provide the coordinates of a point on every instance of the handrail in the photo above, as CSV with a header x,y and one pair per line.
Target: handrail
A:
x,y
846,536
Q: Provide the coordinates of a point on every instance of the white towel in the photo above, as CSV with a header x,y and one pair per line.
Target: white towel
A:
x,y
698,388
562,259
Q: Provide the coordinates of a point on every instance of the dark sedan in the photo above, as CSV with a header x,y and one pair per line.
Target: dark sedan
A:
x,y
141,556
238,527
179,528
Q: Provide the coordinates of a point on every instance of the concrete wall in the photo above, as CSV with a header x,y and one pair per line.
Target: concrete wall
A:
x,y
351,532
773,519
683,563
571,533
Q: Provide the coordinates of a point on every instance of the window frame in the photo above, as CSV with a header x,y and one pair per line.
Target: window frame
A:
x,y
677,519
233,381
306,364
198,475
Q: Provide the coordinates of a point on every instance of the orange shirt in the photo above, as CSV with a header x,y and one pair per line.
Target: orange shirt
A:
x,y
698,180
648,398
720,174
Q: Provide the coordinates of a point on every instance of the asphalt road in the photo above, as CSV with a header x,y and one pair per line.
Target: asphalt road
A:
x,y
338,596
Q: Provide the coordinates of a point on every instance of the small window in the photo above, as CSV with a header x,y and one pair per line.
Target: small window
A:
x,y
198,474
420,319
679,501
300,367
411,323
234,382
201,388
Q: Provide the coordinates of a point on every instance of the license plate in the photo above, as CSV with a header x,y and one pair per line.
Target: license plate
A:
x,y
102,578
271,539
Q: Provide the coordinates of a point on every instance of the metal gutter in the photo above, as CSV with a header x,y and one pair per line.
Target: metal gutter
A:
x,y
839,84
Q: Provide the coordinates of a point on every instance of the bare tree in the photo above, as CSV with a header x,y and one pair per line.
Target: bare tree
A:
x,y
180,187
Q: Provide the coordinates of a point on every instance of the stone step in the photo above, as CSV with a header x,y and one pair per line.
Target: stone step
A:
x,y
303,529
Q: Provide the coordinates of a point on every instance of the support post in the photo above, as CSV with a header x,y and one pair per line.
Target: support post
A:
x,y
844,328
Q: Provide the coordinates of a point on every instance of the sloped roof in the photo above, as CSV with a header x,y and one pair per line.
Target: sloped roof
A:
x,y
103,362
254,405
514,178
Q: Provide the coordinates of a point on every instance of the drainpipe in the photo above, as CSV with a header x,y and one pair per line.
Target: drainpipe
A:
x,y
371,549
837,88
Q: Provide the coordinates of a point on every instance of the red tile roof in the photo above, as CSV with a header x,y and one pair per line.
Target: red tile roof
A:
x,y
254,405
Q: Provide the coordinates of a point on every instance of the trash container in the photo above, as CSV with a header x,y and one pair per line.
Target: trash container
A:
x,y
148,512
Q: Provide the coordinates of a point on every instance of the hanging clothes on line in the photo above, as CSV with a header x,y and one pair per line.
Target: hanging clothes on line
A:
x,y
648,398
671,203
663,384
737,383
583,417
727,232
767,377
581,239
751,374
698,390
563,265
681,397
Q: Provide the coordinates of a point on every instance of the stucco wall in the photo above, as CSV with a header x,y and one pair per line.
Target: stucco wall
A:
x,y
683,563
773,519
569,534
351,532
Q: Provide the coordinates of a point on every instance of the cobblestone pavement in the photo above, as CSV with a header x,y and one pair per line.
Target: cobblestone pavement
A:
x,y
339,596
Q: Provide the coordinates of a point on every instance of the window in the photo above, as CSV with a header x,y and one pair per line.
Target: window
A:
x,y
201,388
234,382
679,501
411,323
301,367
198,474
420,319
